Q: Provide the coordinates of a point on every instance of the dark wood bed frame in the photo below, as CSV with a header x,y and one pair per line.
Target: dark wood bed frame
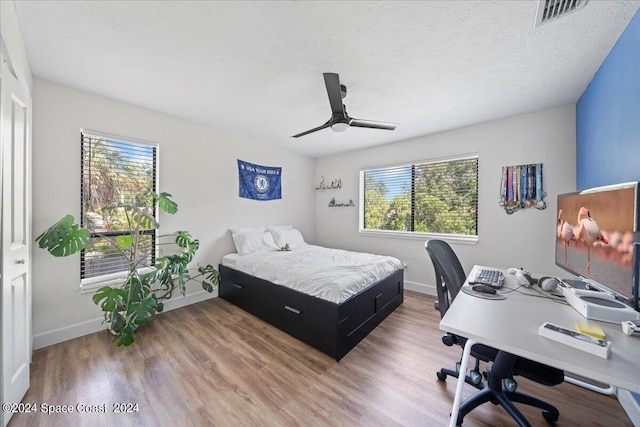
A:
x,y
332,328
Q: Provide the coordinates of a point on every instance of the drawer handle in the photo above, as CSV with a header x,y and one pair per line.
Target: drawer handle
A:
x,y
291,309
237,286
381,293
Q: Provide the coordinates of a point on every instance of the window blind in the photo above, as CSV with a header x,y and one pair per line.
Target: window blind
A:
x,y
427,197
116,174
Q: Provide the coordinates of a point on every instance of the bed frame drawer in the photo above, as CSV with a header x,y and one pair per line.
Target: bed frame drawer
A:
x,y
387,292
332,328
287,316
241,295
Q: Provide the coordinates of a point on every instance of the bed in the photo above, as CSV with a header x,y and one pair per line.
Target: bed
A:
x,y
328,298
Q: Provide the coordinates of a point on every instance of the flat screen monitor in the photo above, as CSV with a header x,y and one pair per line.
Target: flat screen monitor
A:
x,y
597,239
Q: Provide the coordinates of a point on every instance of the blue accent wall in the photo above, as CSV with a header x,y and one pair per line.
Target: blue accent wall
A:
x,y
608,117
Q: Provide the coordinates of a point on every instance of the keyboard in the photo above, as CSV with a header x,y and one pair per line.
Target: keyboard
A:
x,y
493,278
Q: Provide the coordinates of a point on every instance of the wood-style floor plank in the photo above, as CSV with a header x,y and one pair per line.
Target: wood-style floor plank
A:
x,y
213,364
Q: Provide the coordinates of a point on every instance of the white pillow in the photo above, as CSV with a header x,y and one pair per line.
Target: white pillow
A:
x,y
292,237
279,227
249,243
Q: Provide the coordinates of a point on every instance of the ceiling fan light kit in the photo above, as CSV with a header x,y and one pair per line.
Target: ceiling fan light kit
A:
x,y
339,127
340,120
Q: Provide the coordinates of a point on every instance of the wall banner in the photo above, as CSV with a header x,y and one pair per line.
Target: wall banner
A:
x,y
259,182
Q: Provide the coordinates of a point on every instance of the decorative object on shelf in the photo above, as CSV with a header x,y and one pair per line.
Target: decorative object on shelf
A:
x,y
521,187
335,184
333,204
259,182
137,298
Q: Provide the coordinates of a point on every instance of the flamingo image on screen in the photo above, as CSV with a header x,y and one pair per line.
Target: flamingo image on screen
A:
x,y
589,232
599,245
565,233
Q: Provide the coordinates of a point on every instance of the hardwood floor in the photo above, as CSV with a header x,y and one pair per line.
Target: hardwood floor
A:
x,y
213,364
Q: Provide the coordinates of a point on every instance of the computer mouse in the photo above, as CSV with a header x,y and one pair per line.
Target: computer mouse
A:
x,y
484,289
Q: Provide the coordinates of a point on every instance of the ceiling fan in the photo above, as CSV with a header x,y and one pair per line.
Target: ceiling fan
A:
x,y
340,120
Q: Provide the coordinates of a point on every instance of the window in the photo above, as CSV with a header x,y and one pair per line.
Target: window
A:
x,y
115,174
439,197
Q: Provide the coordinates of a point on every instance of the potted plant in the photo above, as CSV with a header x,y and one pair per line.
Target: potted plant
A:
x,y
138,298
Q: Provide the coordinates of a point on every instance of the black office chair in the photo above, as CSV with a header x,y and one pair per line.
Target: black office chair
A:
x,y
500,385
450,277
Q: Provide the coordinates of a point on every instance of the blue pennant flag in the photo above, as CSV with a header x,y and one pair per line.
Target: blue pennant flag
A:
x,y
259,182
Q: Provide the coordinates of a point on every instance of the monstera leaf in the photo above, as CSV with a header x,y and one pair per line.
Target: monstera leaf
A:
x,y
183,239
126,335
166,204
142,217
118,321
141,312
109,299
64,238
211,277
125,241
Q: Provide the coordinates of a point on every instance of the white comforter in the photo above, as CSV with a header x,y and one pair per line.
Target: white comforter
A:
x,y
330,274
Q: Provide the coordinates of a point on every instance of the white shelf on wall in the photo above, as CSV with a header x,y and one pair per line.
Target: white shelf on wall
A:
x,y
334,204
334,185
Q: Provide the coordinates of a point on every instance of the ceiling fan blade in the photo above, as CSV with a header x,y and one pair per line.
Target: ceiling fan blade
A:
x,y
372,124
326,125
332,82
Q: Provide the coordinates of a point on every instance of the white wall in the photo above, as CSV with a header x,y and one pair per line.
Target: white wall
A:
x,y
525,238
197,166
15,46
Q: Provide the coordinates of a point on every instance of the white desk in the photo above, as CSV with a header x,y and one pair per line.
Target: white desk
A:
x,y
512,325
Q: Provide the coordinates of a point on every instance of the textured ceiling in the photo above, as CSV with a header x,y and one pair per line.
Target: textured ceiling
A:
x,y
255,68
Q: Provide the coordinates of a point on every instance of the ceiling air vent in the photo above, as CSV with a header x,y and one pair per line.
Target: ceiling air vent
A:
x,y
548,10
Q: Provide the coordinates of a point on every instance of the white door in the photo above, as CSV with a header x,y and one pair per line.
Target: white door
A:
x,y
16,239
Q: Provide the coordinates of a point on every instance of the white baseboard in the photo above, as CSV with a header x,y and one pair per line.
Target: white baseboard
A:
x,y
55,336
420,287
631,404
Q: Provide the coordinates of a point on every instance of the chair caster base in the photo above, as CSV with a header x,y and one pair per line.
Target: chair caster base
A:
x,y
510,385
476,377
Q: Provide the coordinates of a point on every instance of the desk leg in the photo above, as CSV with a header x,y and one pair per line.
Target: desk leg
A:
x,y
608,391
464,364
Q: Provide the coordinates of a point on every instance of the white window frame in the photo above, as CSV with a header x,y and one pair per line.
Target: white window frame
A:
x,y
88,285
412,235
